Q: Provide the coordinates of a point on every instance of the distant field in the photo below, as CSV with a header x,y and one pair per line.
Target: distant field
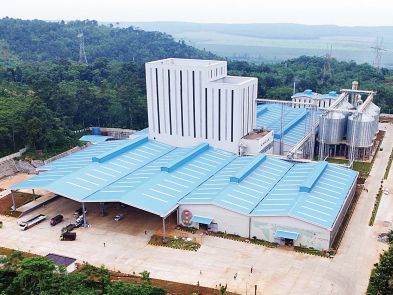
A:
x,y
271,50
278,42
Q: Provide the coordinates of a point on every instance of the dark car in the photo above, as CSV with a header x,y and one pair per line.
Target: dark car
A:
x,y
68,236
56,220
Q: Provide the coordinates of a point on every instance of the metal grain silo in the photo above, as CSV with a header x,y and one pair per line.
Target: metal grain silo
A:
x,y
360,131
373,111
345,105
332,128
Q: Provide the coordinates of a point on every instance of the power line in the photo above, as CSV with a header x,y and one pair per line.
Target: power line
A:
x,y
327,67
82,53
378,53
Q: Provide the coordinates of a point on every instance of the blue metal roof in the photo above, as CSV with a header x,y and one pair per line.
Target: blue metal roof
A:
x,y
96,176
156,177
244,196
296,121
328,187
309,93
94,138
115,191
201,220
284,234
331,95
85,180
162,192
67,165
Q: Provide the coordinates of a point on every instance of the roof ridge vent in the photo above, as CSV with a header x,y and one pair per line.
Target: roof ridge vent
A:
x,y
248,169
173,165
262,110
129,145
292,123
314,176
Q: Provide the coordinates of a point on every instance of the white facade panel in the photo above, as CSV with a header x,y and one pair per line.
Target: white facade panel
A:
x,y
149,93
176,94
261,227
226,220
309,235
166,99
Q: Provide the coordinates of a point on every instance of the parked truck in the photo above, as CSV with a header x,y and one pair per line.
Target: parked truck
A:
x,y
68,236
24,225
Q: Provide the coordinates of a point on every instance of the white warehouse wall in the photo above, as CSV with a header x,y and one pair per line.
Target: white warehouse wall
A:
x,y
309,235
343,212
262,227
194,101
227,221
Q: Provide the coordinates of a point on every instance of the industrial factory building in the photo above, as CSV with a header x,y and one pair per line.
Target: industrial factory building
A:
x,y
208,157
314,125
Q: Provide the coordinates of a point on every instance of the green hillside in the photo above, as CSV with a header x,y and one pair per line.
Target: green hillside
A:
x,y
39,41
45,93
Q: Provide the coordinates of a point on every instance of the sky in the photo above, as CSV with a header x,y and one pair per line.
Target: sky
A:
x,y
313,12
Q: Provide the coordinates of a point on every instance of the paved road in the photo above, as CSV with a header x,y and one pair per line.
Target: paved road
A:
x,y
275,271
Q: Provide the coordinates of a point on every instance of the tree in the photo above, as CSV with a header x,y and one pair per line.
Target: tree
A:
x,y
382,274
37,275
8,271
35,132
96,277
223,289
145,277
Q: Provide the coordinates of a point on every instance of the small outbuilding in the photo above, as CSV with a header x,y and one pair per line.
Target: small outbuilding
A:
x,y
68,262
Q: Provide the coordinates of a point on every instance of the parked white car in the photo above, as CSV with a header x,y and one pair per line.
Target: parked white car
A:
x,y
119,217
386,191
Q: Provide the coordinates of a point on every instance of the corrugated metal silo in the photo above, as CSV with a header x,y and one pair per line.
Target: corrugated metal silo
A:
x,y
332,127
374,111
361,131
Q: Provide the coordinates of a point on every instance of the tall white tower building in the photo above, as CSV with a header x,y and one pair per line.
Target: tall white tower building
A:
x,y
194,101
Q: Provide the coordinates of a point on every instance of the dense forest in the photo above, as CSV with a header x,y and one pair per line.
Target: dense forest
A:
x,y
45,93
39,275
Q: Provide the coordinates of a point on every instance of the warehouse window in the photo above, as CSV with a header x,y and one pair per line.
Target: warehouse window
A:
x,y
232,116
181,103
193,102
248,108
158,103
219,114
206,113
169,100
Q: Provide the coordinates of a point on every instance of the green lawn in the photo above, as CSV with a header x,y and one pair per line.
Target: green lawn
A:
x,y
362,167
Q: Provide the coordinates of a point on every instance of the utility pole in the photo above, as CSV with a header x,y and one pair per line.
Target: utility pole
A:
x,y
378,53
82,53
327,67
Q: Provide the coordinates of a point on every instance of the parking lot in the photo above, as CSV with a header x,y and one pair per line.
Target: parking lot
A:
x,y
135,222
